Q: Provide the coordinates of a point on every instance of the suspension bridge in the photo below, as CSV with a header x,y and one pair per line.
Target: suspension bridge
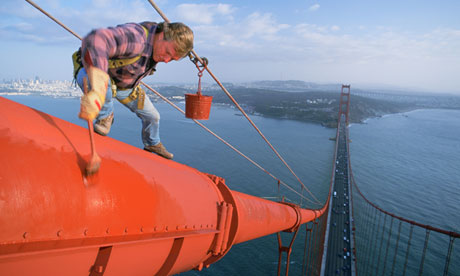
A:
x,y
67,223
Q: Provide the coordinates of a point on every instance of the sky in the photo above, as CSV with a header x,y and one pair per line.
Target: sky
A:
x,y
403,44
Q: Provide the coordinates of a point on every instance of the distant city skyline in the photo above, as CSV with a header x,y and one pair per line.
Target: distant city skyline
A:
x,y
411,45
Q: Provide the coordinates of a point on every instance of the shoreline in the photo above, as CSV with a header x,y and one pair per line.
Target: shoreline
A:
x,y
156,100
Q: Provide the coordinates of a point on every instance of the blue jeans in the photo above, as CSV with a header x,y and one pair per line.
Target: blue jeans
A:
x,y
149,115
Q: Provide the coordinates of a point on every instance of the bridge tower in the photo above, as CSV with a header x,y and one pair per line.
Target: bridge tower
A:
x,y
344,106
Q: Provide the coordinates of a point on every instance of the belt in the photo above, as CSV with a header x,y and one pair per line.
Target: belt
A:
x,y
136,94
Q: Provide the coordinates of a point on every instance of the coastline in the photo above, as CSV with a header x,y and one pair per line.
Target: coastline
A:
x,y
324,119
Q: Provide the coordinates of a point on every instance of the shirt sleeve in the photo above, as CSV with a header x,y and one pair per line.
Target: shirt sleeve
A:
x,y
123,41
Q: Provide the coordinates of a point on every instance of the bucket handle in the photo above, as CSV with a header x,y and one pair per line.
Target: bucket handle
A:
x,y
200,74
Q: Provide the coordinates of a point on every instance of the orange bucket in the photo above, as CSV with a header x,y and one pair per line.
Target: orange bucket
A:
x,y
197,106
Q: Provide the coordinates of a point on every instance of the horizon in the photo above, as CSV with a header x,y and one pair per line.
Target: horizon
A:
x,y
404,46
376,89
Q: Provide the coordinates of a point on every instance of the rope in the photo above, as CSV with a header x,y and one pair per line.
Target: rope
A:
x,y
166,100
238,106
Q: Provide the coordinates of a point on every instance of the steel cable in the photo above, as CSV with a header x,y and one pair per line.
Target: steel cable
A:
x,y
165,99
449,253
238,106
396,249
388,246
425,246
408,248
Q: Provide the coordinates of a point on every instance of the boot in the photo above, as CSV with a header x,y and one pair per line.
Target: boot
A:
x,y
160,150
102,126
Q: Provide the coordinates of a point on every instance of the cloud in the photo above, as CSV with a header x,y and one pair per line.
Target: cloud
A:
x,y
315,7
262,26
246,37
203,13
265,43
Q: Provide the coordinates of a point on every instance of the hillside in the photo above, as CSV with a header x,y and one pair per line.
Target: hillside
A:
x,y
315,107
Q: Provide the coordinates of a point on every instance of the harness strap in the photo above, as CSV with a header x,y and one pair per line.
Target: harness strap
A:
x,y
137,94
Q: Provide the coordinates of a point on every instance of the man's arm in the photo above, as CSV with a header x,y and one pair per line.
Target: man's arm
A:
x,y
124,41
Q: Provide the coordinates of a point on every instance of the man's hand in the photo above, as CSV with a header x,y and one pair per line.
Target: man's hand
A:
x,y
92,102
90,106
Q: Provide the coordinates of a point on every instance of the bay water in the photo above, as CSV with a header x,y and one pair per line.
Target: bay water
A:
x,y
406,163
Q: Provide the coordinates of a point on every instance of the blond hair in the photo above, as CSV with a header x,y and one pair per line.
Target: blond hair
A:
x,y
180,33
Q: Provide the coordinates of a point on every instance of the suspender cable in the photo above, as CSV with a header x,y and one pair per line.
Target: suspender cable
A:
x,y
381,243
237,105
388,245
422,261
54,19
449,253
374,241
396,249
166,100
370,231
408,248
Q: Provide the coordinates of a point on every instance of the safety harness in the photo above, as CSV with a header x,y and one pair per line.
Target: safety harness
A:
x,y
137,92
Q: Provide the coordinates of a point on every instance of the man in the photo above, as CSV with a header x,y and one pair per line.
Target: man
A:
x,y
123,56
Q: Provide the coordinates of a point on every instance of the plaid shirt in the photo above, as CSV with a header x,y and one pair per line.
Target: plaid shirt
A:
x,y
121,42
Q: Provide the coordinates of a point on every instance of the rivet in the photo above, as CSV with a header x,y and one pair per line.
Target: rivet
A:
x,y
99,269
194,226
167,228
155,228
59,233
185,226
126,230
142,229
107,230
177,227
25,235
85,232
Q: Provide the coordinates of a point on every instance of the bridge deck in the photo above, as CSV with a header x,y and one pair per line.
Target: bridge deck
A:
x,y
339,243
